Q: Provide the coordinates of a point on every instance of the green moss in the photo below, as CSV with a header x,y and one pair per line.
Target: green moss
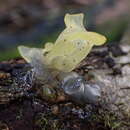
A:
x,y
47,122
113,29
8,54
108,119
13,52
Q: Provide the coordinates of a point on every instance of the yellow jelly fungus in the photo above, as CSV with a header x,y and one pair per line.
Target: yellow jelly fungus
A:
x,y
71,47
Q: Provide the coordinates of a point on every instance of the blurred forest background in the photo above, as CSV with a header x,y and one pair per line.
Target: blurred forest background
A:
x,y
34,22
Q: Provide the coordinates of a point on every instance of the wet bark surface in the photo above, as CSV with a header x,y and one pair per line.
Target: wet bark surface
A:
x,y
22,107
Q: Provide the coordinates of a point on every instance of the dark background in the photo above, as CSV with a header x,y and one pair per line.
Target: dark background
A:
x,y
35,22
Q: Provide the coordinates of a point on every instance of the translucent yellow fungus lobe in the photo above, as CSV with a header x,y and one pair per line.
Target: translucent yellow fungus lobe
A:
x,y
71,47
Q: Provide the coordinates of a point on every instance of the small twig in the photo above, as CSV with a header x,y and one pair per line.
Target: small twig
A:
x,y
125,88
